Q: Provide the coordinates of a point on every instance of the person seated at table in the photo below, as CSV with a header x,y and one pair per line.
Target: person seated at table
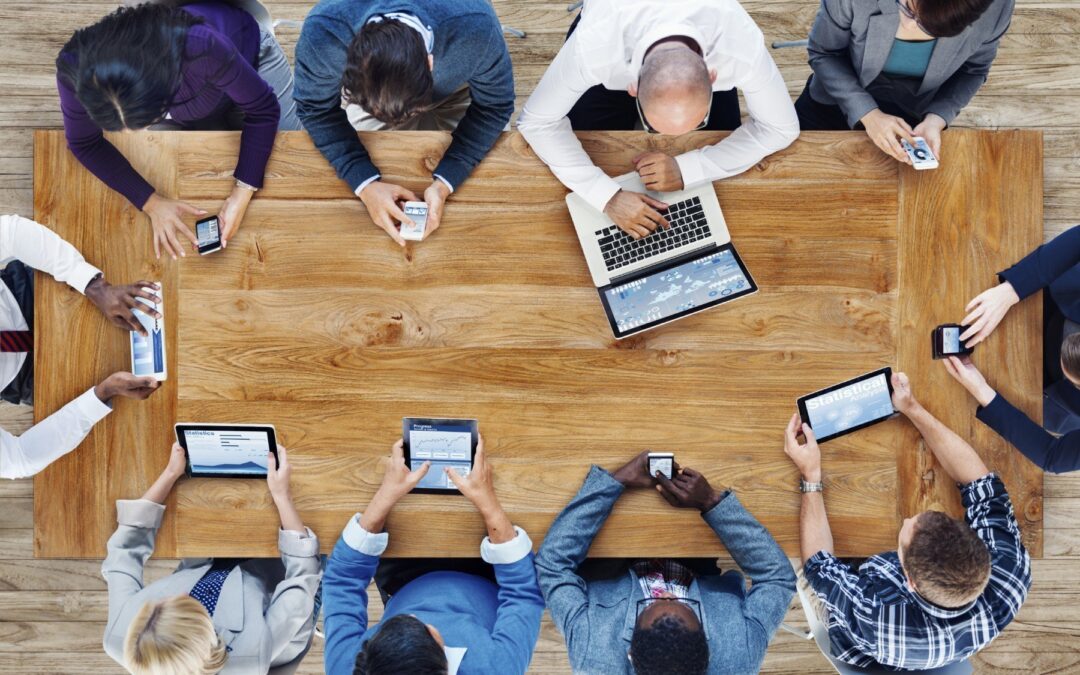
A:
x,y
440,616
950,587
202,65
210,615
674,67
898,70
370,65
1054,266
25,244
653,617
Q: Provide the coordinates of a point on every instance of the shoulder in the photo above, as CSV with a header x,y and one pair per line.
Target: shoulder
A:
x,y
204,40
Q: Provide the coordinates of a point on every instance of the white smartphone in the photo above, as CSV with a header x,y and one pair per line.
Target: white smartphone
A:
x,y
417,212
922,157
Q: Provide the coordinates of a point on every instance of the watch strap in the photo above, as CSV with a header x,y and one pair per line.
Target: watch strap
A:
x,y
805,486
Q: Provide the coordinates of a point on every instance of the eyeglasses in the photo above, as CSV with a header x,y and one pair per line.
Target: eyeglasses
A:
x,y
649,128
909,13
694,605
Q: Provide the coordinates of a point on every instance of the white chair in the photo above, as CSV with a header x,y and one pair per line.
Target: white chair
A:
x,y
820,633
262,16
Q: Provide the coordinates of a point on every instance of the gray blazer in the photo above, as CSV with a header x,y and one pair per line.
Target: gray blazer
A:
x,y
850,42
597,617
264,614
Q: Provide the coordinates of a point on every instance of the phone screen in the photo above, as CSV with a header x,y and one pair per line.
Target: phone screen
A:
x,y
950,340
208,234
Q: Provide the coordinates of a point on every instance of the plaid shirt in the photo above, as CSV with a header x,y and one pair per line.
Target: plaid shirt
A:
x,y
874,618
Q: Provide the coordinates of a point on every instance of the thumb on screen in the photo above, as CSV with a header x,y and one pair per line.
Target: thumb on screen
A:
x,y
419,474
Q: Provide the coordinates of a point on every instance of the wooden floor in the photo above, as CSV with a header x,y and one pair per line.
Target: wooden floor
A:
x,y
52,612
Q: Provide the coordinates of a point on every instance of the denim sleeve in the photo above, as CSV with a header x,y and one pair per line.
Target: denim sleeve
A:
x,y
564,549
761,559
320,61
491,88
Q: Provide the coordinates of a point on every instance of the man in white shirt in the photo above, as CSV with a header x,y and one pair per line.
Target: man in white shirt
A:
x,y
679,62
61,432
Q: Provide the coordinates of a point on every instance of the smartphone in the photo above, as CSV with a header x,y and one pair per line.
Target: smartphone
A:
x,y
664,462
417,212
946,341
208,234
922,157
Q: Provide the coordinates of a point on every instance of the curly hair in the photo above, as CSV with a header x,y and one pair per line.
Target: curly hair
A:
x,y
402,645
387,72
669,647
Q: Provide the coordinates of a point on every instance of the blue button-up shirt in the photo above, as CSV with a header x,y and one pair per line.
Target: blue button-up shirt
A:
x,y
875,618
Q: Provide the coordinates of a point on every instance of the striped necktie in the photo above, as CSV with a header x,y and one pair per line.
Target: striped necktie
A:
x,y
16,341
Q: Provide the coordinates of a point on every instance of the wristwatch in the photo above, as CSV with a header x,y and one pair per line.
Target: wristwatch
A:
x,y
805,487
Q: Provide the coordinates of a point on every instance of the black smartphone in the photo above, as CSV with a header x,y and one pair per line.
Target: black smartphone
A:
x,y
208,233
664,462
946,341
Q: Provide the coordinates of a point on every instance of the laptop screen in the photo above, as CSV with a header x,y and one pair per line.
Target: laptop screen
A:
x,y
684,286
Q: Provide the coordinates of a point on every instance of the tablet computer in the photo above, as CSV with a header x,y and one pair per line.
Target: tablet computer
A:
x,y
848,406
227,450
446,443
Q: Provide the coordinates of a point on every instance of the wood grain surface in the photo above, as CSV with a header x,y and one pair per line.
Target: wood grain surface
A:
x,y
313,320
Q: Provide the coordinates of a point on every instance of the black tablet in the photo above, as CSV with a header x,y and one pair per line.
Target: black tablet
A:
x,y
227,450
851,405
446,443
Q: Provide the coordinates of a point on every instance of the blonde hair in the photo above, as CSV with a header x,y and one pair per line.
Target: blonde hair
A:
x,y
173,636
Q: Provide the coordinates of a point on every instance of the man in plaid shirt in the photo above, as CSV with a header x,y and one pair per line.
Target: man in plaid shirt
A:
x,y
950,587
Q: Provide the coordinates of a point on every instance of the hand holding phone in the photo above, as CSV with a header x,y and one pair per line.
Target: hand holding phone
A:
x,y
922,157
208,234
662,463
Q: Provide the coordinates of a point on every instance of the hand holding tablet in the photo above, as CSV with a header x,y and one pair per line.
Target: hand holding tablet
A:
x,y
444,444
849,406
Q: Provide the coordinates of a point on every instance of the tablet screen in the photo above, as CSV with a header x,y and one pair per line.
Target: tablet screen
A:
x,y
446,444
676,291
850,406
228,451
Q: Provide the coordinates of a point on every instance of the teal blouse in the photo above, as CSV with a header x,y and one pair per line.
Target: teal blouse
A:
x,y
909,58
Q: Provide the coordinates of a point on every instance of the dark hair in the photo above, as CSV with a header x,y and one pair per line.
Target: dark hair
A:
x,y
946,560
669,647
402,645
125,69
947,18
1070,355
387,72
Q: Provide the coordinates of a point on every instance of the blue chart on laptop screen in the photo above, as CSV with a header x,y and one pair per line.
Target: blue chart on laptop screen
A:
x,y
227,451
445,446
676,290
850,406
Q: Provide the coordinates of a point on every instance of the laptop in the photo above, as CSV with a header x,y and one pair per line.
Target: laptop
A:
x,y
648,282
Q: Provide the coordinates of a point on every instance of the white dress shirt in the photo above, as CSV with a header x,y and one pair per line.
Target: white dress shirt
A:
x,y
607,48
58,434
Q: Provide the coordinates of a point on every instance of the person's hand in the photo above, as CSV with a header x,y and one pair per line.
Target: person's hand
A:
x,y
635,473
930,129
659,171
986,311
902,399
886,131
435,197
636,214
232,213
383,205
965,372
166,217
398,480
116,302
479,485
688,490
806,456
126,385
278,474
177,466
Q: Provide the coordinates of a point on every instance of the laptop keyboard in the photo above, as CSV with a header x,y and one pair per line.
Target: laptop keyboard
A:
x,y
687,220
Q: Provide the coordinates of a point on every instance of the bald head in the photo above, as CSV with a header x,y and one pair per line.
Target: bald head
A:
x,y
674,88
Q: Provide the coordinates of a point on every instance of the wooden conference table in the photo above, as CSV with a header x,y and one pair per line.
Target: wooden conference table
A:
x,y
315,321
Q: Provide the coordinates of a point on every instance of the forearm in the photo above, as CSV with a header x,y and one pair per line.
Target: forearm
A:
x,y
814,531
159,491
955,455
51,438
374,516
1053,454
499,528
290,517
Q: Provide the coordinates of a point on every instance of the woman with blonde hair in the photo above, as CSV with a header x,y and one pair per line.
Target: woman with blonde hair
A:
x,y
210,615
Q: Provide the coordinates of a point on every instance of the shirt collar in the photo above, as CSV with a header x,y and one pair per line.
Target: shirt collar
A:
x,y
890,562
412,21
937,611
660,32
